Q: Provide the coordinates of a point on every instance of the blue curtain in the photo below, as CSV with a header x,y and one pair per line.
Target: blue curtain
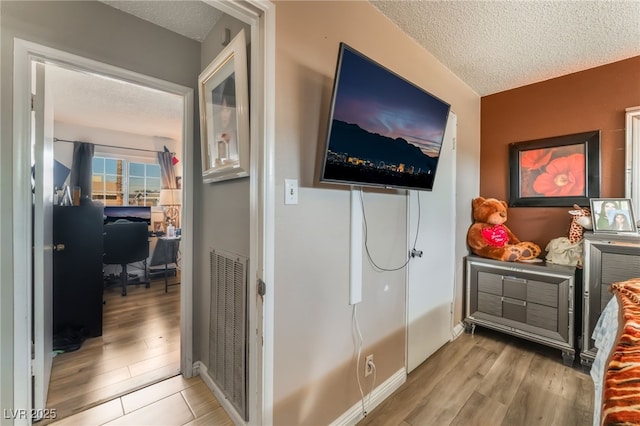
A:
x,y
82,168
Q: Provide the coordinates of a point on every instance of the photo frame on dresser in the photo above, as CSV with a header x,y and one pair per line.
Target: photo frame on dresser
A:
x,y
613,215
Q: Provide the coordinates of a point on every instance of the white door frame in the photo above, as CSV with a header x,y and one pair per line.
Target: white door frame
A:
x,y
24,53
260,15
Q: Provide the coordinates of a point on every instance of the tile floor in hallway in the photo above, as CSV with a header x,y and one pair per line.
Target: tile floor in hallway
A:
x,y
173,402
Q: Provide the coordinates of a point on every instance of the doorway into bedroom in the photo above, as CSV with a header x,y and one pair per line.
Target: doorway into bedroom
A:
x,y
135,136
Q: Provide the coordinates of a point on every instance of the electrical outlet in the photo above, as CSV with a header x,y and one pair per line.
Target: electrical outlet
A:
x,y
368,365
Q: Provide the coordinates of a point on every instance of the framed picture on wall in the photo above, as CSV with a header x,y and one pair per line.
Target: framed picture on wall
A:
x,y
613,215
224,114
555,172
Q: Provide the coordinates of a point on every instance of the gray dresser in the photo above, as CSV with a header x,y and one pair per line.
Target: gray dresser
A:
x,y
608,258
534,301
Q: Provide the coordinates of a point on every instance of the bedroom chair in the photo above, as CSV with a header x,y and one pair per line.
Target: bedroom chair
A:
x,y
124,243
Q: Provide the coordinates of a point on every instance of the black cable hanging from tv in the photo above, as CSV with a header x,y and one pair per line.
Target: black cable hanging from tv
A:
x,y
366,247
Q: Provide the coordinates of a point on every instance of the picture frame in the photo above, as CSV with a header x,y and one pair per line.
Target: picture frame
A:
x,y
224,114
159,227
613,215
558,171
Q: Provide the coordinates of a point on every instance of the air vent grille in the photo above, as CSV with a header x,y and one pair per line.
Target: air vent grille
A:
x,y
228,326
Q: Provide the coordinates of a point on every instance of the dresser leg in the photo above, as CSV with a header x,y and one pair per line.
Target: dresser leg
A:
x,y
568,358
469,328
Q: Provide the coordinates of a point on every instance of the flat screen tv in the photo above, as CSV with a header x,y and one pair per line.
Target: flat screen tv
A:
x,y
383,130
130,213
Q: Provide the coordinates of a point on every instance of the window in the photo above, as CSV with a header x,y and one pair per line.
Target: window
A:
x,y
144,184
118,182
108,181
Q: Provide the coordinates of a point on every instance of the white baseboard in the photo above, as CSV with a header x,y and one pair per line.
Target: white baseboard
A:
x,y
379,394
200,368
458,330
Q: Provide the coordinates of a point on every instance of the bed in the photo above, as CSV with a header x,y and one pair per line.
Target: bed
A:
x,y
616,367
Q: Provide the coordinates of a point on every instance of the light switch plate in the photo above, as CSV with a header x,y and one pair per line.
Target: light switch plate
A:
x,y
291,191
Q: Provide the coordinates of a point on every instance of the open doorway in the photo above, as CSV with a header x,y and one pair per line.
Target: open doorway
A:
x,y
193,304
30,57
136,339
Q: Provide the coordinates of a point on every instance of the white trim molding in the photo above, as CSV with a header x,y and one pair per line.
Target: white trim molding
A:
x,y
200,368
379,394
458,329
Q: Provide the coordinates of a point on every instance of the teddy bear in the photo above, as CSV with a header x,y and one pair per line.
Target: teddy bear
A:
x,y
489,237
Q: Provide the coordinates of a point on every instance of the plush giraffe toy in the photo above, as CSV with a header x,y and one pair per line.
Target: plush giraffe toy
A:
x,y
581,220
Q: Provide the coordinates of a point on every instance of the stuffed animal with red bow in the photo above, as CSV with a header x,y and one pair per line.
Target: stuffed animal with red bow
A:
x,y
489,237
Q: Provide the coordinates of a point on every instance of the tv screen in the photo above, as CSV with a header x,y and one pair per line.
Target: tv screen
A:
x,y
130,213
383,130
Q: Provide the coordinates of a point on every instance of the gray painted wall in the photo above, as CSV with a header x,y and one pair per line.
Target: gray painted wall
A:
x,y
95,31
221,212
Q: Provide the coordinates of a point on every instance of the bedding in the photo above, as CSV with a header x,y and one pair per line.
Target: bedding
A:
x,y
616,368
604,335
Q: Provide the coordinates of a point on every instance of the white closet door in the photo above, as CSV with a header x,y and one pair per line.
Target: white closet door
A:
x,y
431,278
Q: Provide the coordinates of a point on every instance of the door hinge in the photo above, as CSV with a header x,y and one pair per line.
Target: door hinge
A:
x,y
33,358
262,287
32,103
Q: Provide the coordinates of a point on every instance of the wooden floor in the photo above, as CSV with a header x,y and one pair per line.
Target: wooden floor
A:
x,y
484,379
490,379
130,374
140,345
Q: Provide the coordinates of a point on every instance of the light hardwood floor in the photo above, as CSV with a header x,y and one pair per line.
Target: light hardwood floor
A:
x,y
490,379
486,379
140,345
130,374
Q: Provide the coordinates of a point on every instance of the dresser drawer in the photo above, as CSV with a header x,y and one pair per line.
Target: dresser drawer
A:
x,y
490,304
514,287
542,293
514,309
542,316
490,283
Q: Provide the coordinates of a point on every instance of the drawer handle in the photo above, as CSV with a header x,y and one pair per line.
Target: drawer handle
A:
x,y
511,278
514,301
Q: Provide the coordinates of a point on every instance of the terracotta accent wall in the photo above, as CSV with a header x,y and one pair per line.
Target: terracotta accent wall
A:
x,y
594,99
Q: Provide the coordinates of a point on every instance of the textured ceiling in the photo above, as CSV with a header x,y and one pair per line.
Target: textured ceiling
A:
x,y
94,101
193,19
499,45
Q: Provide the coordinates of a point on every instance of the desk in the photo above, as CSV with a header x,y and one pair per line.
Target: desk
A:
x,y
165,252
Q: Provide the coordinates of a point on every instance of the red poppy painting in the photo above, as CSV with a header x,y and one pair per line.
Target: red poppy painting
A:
x,y
555,171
